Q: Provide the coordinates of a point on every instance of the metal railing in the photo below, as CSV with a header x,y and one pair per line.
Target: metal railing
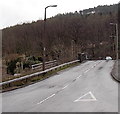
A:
x,y
47,65
37,73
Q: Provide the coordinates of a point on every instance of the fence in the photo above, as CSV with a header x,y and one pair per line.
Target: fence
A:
x,y
8,83
47,65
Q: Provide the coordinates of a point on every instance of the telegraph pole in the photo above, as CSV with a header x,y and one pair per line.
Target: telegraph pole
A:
x,y
116,29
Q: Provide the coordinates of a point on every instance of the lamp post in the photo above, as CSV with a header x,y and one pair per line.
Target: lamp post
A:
x,y
116,27
44,49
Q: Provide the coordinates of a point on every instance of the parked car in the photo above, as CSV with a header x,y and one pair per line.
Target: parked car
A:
x,y
108,58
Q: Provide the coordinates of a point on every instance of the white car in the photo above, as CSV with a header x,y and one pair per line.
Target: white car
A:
x,y
108,58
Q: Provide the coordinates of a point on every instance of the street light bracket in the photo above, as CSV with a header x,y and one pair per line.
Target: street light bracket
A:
x,y
50,6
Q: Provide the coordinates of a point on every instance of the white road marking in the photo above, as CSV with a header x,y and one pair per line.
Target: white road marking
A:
x,y
52,95
86,71
85,99
78,77
92,95
79,99
46,99
65,86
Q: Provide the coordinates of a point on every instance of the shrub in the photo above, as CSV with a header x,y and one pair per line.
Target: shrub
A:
x,y
27,64
12,66
32,58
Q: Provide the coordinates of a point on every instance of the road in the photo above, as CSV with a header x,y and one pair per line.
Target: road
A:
x,y
88,87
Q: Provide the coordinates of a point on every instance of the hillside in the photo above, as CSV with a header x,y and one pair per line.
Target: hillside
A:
x,y
102,9
66,35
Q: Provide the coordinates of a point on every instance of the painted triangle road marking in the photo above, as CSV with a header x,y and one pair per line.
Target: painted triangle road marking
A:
x,y
90,96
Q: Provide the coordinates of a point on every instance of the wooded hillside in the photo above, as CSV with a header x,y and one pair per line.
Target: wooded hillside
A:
x,y
66,35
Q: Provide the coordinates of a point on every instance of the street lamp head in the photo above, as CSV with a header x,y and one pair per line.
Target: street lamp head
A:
x,y
46,9
53,5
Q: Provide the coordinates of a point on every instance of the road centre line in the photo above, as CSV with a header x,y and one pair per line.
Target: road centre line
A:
x,y
46,99
78,77
86,71
53,94
65,86
92,67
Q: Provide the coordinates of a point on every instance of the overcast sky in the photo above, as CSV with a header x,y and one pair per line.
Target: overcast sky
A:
x,y
18,11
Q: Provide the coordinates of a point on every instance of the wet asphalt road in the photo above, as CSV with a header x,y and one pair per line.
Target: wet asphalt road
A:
x,y
88,87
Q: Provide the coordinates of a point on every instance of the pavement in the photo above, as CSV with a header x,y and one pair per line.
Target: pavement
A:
x,y
116,71
87,87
